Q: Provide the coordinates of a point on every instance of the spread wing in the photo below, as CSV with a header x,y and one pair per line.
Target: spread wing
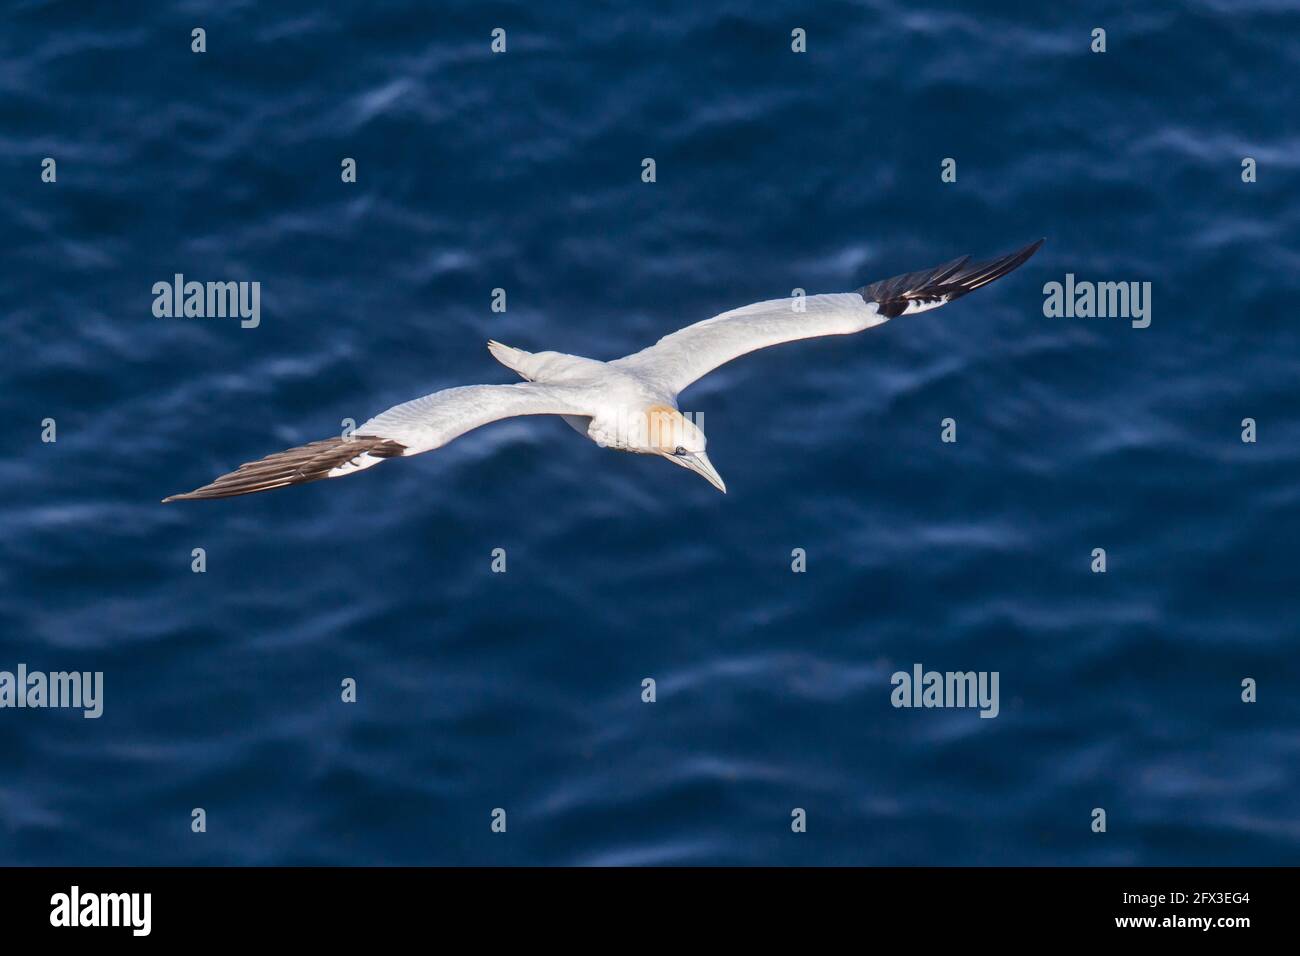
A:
x,y
408,429
679,359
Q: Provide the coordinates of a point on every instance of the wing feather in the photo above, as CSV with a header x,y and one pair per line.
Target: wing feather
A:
x,y
679,359
683,357
931,288
420,425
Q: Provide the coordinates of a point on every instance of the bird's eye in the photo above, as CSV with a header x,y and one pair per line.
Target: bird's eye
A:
x,y
679,451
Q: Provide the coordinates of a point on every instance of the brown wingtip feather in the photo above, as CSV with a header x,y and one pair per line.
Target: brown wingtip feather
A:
x,y
296,466
951,280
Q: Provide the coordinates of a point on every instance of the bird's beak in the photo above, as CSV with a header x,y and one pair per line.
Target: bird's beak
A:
x,y
700,464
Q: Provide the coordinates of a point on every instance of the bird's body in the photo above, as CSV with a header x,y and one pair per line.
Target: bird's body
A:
x,y
628,404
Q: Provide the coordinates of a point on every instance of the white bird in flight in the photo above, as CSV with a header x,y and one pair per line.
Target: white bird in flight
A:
x,y
630,403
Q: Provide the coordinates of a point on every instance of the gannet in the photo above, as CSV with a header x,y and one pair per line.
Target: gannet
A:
x,y
630,403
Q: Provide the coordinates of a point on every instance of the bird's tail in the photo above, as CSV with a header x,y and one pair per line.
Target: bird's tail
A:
x,y
512,358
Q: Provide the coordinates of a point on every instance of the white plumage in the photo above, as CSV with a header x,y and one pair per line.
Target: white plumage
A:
x,y
630,403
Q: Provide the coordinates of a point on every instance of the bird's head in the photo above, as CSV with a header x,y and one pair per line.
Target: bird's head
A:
x,y
677,438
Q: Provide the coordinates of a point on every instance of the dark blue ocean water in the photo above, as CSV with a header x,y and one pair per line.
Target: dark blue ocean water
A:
x,y
523,690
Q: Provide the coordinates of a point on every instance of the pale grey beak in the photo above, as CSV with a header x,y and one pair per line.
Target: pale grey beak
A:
x,y
699,463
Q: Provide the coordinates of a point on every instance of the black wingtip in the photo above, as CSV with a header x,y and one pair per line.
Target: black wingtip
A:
x,y
295,466
929,288
1014,260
